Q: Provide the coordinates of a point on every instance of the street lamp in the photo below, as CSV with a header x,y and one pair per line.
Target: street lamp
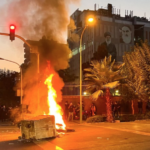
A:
x,y
20,77
34,50
89,20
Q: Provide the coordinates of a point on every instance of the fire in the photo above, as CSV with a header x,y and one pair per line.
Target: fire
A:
x,y
54,108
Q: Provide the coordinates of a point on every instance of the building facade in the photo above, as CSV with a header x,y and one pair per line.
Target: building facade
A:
x,y
124,32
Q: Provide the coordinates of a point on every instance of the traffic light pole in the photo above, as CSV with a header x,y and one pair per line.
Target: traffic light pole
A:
x,y
32,50
21,38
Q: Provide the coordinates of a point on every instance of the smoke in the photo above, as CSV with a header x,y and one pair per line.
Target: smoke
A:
x,y
73,37
57,53
35,19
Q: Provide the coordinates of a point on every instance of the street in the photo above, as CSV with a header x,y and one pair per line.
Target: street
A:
x,y
96,136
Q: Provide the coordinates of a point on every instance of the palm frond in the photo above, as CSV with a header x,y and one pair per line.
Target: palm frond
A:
x,y
96,94
111,85
102,76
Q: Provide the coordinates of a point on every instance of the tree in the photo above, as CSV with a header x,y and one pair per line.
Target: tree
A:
x,y
137,69
8,80
102,77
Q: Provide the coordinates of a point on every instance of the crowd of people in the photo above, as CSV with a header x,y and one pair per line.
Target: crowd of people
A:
x,y
5,113
72,112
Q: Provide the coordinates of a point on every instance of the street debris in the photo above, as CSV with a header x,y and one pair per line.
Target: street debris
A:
x,y
70,130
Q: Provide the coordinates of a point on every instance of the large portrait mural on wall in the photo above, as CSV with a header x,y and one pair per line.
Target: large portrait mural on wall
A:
x,y
125,35
108,46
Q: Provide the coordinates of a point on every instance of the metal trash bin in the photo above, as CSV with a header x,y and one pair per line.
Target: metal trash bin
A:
x,y
39,127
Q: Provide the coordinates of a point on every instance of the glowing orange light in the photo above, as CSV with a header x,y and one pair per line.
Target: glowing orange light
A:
x,y
90,20
54,108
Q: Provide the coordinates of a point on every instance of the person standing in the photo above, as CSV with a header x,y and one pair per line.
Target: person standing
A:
x,y
148,105
113,109
93,109
116,109
140,104
0,113
77,109
66,109
70,112
109,46
4,113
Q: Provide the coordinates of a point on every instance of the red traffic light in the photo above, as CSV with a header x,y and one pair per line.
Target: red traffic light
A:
x,y
12,32
12,27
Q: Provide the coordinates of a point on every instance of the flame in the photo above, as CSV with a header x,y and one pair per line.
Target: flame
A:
x,y
54,108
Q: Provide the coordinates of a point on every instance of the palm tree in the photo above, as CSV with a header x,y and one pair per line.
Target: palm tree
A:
x,y
101,76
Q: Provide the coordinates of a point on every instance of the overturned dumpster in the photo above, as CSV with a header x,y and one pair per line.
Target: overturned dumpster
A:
x,y
39,127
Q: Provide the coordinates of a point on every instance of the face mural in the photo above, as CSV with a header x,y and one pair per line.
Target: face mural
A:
x,y
125,35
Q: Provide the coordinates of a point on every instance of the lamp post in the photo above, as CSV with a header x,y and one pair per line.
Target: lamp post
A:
x,y
89,20
34,50
20,77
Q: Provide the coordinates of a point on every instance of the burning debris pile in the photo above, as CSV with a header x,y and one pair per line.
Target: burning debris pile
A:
x,y
35,19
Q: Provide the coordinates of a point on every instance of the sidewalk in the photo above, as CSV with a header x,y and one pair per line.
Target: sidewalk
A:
x,y
74,122
6,123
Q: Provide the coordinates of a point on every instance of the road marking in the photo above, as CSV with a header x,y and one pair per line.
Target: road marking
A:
x,y
45,145
126,130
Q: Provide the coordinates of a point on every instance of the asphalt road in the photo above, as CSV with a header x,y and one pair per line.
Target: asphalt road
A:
x,y
96,136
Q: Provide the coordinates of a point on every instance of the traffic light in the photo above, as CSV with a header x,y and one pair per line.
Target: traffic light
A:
x,y
27,54
12,32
